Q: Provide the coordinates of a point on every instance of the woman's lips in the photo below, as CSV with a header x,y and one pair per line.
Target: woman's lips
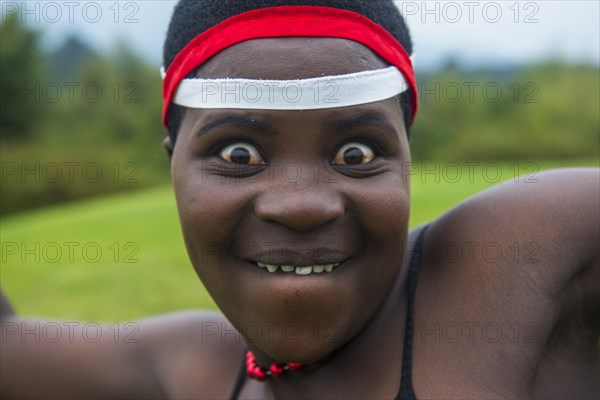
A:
x,y
299,258
299,270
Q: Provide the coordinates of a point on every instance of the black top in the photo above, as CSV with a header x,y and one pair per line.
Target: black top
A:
x,y
406,391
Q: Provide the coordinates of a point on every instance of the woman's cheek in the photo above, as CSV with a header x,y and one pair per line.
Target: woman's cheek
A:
x,y
383,207
211,209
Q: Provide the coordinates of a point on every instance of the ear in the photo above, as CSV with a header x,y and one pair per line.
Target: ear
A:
x,y
168,146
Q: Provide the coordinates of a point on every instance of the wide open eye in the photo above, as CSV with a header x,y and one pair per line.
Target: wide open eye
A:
x,y
353,154
242,153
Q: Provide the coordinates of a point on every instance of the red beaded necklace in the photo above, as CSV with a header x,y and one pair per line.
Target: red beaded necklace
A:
x,y
261,373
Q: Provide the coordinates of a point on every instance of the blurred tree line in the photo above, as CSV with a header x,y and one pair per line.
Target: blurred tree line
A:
x,y
546,111
74,123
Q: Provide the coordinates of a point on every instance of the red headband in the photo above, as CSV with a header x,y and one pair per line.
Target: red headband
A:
x,y
287,21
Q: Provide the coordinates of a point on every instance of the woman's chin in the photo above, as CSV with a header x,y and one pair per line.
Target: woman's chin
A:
x,y
304,344
304,352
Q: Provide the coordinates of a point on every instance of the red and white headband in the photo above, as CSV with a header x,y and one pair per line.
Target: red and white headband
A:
x,y
301,94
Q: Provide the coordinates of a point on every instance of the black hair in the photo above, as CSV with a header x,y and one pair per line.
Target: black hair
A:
x,y
192,17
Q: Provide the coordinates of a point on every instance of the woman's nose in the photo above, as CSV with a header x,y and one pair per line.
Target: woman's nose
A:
x,y
301,205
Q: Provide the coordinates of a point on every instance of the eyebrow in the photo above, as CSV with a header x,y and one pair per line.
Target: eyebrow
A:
x,y
338,124
235,120
341,124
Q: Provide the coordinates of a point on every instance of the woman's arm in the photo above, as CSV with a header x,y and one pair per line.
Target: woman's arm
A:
x,y
184,354
61,359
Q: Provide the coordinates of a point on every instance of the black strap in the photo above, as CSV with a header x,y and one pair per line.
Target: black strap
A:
x,y
406,390
240,380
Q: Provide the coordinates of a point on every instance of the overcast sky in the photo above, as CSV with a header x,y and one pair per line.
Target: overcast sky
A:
x,y
476,33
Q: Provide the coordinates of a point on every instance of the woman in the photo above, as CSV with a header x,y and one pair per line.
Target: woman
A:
x,y
288,145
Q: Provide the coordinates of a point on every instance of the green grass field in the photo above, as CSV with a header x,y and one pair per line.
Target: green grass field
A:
x,y
122,257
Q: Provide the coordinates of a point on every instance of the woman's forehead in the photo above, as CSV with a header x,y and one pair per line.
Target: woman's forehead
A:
x,y
291,58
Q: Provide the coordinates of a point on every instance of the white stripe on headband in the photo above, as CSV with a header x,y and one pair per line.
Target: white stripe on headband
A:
x,y
299,94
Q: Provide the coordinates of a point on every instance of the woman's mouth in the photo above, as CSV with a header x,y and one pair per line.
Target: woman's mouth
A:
x,y
298,270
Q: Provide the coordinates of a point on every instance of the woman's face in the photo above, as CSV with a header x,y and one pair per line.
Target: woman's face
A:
x,y
320,188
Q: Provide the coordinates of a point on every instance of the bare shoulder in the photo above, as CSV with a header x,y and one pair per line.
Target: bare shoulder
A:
x,y
553,217
516,267
195,353
542,233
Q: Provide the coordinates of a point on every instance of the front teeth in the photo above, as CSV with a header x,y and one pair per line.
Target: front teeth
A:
x,y
317,269
303,270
